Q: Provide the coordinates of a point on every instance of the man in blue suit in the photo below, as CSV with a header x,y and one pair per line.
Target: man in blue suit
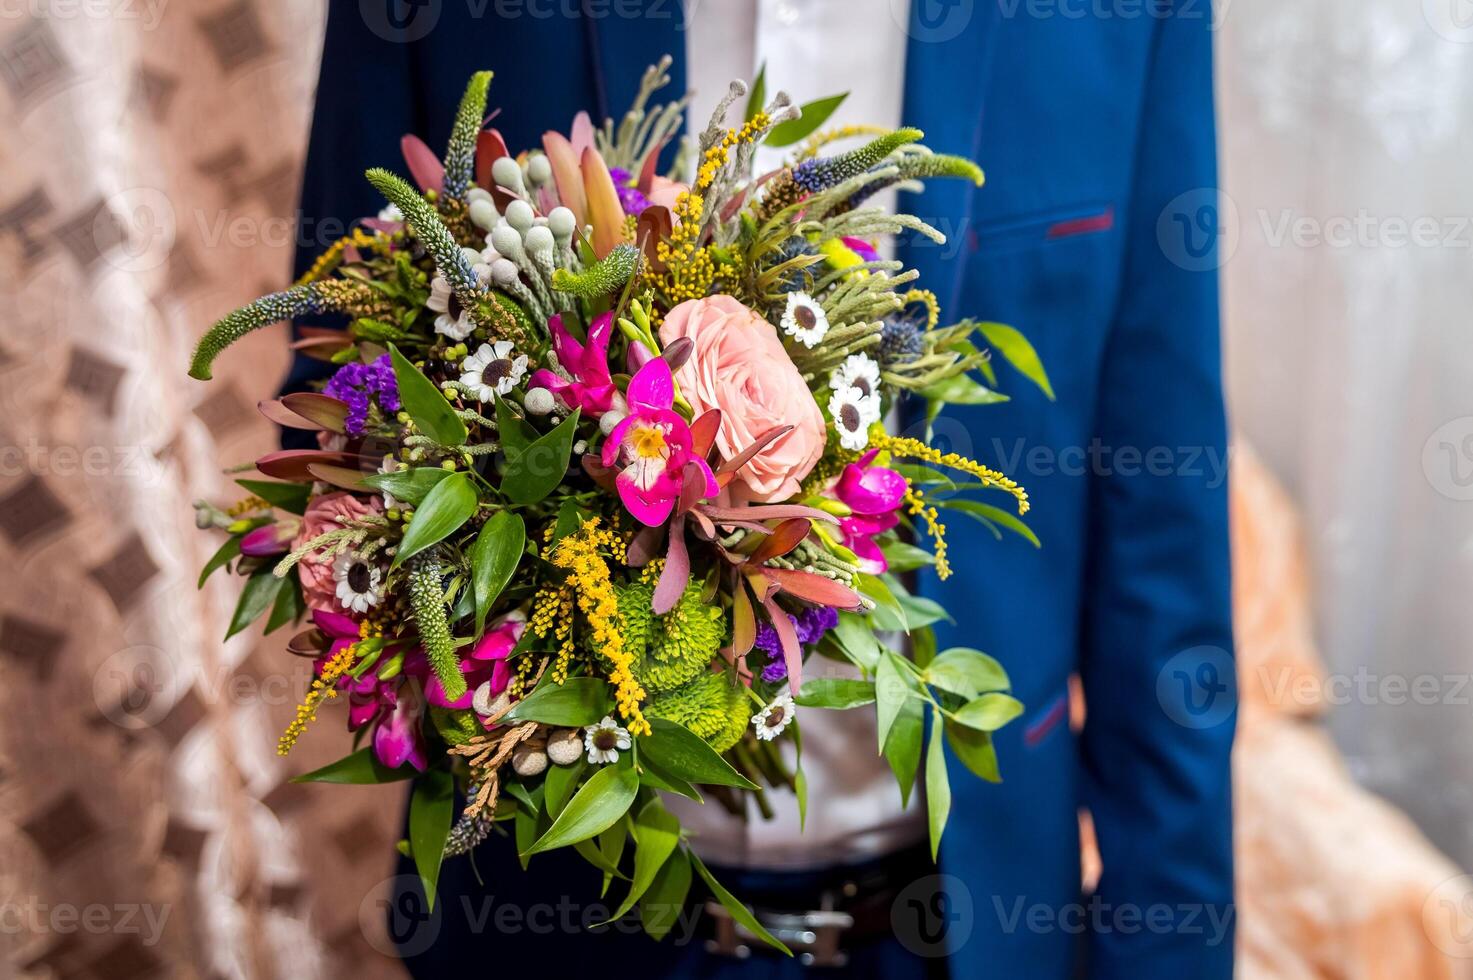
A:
x,y
1094,235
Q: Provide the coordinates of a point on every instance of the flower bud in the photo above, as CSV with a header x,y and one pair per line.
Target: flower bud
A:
x,y
483,214
539,401
507,173
539,170
520,216
565,746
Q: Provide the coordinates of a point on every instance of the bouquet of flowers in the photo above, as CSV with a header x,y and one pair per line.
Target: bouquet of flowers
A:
x,y
602,459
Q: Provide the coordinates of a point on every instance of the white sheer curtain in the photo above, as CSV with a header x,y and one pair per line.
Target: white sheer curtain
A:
x,y
1347,137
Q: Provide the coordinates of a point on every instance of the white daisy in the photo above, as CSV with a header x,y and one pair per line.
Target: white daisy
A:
x,y
771,720
804,319
491,371
853,414
454,320
360,582
857,371
604,740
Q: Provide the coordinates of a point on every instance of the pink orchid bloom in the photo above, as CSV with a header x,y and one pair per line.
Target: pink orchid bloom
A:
x,y
487,662
653,446
395,705
873,495
590,388
270,539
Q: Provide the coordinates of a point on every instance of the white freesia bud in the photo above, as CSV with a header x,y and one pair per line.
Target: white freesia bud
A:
x,y
539,170
565,746
539,401
539,241
609,419
519,215
483,214
504,272
507,241
561,223
507,173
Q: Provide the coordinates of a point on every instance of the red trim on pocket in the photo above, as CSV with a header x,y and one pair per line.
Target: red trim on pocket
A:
x,y
1103,221
1046,722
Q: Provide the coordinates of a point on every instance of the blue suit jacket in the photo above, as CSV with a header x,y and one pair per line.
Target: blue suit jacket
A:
x,y
1093,236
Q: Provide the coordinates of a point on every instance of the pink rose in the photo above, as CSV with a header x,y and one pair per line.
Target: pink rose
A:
x,y
739,366
315,571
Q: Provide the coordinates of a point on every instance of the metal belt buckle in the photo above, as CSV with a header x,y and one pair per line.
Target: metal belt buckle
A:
x,y
812,936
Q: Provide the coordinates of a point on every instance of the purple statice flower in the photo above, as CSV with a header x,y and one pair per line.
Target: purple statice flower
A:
x,y
810,625
630,197
355,384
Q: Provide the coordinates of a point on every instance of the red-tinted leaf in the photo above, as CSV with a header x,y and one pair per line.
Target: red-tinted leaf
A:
x,y
603,475
703,431
676,573
327,412
276,412
426,169
783,539
342,477
291,464
567,174
792,652
813,588
760,443
654,226
604,211
743,622
765,512
581,133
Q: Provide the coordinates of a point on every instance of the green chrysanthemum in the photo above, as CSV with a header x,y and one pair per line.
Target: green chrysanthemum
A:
x,y
671,649
711,706
455,727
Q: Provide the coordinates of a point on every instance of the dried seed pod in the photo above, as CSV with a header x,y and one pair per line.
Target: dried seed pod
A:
x,y
565,746
529,758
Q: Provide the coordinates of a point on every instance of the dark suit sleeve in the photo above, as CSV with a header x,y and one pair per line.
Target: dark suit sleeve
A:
x,y
366,99
1157,663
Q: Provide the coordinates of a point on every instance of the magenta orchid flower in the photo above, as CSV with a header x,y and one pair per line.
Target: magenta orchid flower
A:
x,y
487,662
873,495
394,706
272,539
652,445
588,385
398,739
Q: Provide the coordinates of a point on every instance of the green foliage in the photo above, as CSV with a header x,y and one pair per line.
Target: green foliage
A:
x,y
297,301
448,505
593,809
460,155
494,558
425,223
815,114
576,701
431,808
603,278
425,403
455,727
362,768
536,471
682,753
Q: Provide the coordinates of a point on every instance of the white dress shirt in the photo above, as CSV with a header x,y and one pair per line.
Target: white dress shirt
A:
x,y
812,49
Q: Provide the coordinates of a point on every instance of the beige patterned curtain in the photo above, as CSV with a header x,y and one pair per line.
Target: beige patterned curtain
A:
x,y
151,156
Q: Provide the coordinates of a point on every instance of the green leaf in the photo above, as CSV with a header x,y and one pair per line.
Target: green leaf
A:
x,y
362,768
680,752
425,403
258,595
291,497
800,778
430,810
653,776
975,751
938,787
656,832
536,471
967,672
448,505
513,429
1017,351
408,485
903,746
288,607
962,389
229,550
904,557
920,612
611,849
738,911
664,900
987,512
923,647
560,783
887,614
525,829
856,635
989,712
589,851
494,559
815,113
836,692
602,800
893,688
758,95
575,702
